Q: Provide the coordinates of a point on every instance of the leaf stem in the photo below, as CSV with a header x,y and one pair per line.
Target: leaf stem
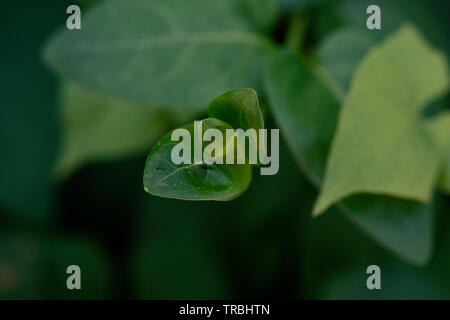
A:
x,y
297,30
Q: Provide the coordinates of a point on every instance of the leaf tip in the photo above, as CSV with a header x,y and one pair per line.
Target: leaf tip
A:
x,y
320,206
316,212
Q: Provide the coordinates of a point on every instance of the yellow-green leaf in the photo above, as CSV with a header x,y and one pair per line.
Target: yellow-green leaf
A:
x,y
383,144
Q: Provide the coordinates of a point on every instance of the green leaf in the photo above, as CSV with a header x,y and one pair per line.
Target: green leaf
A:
x,y
339,56
239,108
305,110
405,227
383,144
260,14
99,128
176,54
193,181
307,114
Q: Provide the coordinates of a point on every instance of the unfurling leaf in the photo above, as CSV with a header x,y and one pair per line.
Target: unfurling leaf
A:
x,y
193,179
239,108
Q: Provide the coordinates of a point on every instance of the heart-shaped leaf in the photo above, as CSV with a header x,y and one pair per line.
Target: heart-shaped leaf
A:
x,y
383,143
194,181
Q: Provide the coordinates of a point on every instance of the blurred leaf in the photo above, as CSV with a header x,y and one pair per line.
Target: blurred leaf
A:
x,y
239,108
382,144
261,14
340,53
305,110
307,114
403,226
98,128
430,17
193,181
175,53
295,5
397,282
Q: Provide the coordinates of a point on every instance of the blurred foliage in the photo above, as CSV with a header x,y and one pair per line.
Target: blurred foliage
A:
x,y
98,128
121,84
184,55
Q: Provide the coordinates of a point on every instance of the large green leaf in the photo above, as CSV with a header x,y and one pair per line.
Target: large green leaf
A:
x,y
305,110
98,128
383,144
174,53
307,113
193,181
